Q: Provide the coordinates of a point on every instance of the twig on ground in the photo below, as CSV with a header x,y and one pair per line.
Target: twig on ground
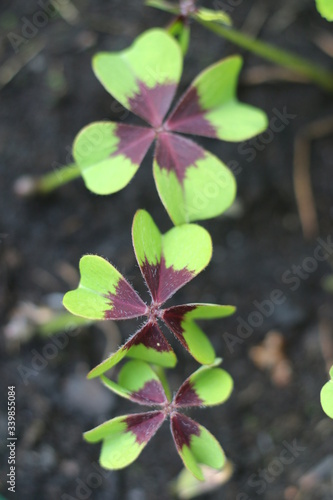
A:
x,y
302,175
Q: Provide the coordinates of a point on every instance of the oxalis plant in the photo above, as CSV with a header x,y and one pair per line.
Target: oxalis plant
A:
x,y
125,437
167,262
193,184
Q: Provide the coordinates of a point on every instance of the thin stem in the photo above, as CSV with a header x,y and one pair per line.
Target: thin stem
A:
x,y
58,177
63,322
284,58
28,186
164,381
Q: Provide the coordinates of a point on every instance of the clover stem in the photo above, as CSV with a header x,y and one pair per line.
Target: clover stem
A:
x,y
160,372
282,57
29,186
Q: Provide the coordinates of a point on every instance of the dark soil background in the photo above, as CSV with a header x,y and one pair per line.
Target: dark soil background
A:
x,y
43,106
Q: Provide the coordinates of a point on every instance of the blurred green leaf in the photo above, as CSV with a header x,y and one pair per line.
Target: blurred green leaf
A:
x,y
186,486
217,16
325,8
61,322
326,396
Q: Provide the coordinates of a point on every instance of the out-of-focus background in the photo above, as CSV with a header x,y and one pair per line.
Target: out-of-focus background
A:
x,y
278,354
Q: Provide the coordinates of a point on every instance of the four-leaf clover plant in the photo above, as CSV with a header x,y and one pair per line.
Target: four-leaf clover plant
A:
x,y
167,262
123,438
192,183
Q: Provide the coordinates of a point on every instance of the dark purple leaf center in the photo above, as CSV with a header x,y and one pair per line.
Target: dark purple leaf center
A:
x,y
134,142
152,392
188,116
144,425
164,281
187,396
151,337
183,428
152,103
124,302
174,317
176,154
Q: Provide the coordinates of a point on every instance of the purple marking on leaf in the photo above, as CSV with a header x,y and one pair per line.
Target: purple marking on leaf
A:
x,y
164,281
144,425
188,116
186,396
151,337
125,302
152,103
175,153
151,393
134,142
183,428
173,318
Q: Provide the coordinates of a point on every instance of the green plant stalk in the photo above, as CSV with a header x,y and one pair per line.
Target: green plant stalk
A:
x,y
52,180
63,322
159,370
270,52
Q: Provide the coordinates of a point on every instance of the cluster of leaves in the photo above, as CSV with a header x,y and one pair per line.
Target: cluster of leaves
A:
x,y
192,183
167,262
125,437
326,396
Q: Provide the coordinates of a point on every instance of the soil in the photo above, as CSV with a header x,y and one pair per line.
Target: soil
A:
x,y
256,246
